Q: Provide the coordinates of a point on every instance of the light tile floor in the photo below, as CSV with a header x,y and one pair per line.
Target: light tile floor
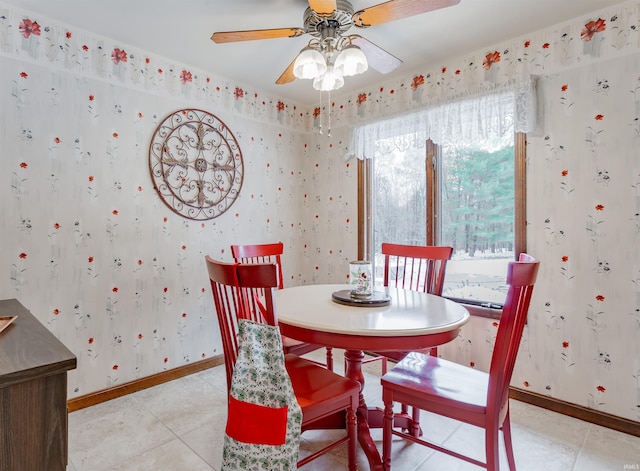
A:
x,y
179,426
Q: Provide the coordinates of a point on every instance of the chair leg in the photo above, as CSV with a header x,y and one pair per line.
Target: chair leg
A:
x,y
491,446
384,365
329,358
508,445
352,432
387,425
433,351
415,422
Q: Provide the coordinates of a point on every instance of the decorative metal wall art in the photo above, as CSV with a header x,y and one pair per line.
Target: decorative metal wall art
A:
x,y
196,164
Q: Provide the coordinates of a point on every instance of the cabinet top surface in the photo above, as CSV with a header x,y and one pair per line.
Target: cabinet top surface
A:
x,y
28,349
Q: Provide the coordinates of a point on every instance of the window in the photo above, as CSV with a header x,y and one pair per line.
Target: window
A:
x,y
478,210
467,193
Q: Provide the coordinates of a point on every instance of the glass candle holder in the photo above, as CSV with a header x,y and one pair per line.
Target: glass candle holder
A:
x,y
360,278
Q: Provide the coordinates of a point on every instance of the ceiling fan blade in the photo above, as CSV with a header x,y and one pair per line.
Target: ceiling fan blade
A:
x,y
397,10
323,7
287,76
234,36
378,58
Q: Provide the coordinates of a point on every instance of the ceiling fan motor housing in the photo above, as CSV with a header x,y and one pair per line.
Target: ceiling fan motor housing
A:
x,y
336,23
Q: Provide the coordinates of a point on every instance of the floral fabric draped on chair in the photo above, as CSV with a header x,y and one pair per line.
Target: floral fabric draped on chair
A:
x,y
264,421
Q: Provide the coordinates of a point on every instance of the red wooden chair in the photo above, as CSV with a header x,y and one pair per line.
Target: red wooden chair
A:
x,y
271,253
320,393
482,399
417,268
414,267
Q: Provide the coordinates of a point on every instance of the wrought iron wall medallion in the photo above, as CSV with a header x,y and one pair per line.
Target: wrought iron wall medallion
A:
x,y
196,164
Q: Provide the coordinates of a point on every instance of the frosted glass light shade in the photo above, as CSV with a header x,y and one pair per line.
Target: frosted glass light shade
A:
x,y
309,64
351,61
331,80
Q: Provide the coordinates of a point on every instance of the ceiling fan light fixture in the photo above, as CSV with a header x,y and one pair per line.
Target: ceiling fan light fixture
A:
x,y
330,80
309,64
351,61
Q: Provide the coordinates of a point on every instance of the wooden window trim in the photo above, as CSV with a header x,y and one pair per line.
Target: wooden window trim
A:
x,y
520,180
433,225
365,232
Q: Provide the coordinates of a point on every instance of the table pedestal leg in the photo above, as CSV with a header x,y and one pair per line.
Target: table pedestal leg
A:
x,y
353,360
372,417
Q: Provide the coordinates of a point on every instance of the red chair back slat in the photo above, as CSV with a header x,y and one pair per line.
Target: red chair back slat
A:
x,y
257,282
260,253
416,267
521,276
223,280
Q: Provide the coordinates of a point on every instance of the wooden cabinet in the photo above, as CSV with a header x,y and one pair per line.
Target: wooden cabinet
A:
x,y
33,394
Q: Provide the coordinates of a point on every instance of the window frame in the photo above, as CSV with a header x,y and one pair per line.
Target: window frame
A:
x,y
365,227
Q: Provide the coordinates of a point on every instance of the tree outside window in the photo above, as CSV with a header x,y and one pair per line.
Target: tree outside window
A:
x,y
473,208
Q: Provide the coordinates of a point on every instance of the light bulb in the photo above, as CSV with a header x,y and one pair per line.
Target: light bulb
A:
x,y
309,64
330,80
351,61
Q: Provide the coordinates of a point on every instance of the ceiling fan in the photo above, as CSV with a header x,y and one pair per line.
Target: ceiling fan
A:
x,y
332,54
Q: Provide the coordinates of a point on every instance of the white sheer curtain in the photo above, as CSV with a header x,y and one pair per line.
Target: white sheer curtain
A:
x,y
482,119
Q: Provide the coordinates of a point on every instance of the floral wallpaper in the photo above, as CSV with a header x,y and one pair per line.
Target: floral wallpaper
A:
x,y
583,210
583,205
120,279
90,248
588,165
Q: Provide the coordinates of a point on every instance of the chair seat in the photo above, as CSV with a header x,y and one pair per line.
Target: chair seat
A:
x,y
296,346
438,382
302,348
288,342
399,355
320,392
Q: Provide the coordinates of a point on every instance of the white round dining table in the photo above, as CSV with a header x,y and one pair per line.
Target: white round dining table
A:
x,y
411,320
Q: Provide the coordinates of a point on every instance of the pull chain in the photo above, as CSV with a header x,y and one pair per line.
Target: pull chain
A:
x,y
328,114
320,108
329,106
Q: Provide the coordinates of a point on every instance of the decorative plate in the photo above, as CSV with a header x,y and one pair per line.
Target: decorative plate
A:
x,y
196,164
376,299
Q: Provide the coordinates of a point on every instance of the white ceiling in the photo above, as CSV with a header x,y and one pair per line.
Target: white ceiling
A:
x,y
180,30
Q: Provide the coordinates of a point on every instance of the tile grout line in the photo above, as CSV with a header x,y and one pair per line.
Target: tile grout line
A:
x,y
433,453
582,445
